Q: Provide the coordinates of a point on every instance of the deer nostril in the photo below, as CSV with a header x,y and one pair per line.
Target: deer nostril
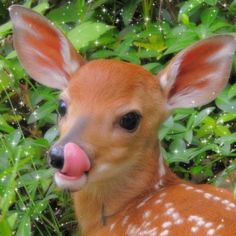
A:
x,y
56,157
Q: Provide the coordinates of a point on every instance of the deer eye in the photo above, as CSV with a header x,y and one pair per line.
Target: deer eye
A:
x,y
62,108
130,121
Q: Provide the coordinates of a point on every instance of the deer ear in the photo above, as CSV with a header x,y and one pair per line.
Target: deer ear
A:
x,y
44,52
196,75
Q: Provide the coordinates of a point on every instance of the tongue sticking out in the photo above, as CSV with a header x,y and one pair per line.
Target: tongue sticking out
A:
x,y
76,162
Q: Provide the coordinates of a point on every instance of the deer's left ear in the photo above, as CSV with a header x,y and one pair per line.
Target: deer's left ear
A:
x,y
44,51
196,75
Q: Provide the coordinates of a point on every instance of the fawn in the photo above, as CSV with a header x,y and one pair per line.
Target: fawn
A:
x,y
108,153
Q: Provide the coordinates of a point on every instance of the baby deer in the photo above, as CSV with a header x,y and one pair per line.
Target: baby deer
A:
x,y
108,153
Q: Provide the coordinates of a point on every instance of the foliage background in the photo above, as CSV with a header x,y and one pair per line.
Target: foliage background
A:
x,y
199,144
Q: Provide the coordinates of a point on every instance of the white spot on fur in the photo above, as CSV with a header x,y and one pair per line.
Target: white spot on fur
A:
x,y
194,229
125,220
211,232
200,222
112,226
207,195
147,214
164,233
221,226
132,230
216,198
225,202
208,225
198,190
179,221
232,205
170,211
183,185
166,224
197,219
189,188
175,215
158,201
168,204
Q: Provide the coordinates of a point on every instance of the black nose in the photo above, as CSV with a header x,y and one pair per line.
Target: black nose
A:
x,y
56,157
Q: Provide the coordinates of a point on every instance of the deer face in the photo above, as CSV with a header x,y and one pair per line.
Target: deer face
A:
x,y
111,110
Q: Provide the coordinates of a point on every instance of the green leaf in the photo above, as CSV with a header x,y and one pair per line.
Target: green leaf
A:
x,y
129,10
4,126
9,196
225,101
70,12
211,2
232,91
51,134
41,112
184,19
103,54
190,153
188,136
219,24
5,29
225,149
209,121
5,229
189,7
177,146
221,130
124,47
205,130
131,57
146,53
196,170
12,219
153,67
5,80
226,118
25,226
227,139
38,207
14,138
180,41
209,15
232,6
82,35
202,115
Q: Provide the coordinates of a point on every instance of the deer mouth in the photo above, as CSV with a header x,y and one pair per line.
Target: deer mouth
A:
x,y
74,173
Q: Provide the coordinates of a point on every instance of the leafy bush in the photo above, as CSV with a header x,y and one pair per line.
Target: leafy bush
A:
x,y
199,143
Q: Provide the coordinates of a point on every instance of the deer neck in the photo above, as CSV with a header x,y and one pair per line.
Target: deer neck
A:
x,y
96,205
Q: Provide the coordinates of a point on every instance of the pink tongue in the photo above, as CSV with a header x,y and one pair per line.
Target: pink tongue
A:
x,y
76,162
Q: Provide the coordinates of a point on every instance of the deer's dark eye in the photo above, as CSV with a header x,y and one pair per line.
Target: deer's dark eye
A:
x,y
130,121
62,108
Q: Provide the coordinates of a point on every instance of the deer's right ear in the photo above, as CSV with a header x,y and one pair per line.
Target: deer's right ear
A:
x,y
196,75
44,52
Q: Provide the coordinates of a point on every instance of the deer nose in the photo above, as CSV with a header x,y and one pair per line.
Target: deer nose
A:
x,y
56,157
